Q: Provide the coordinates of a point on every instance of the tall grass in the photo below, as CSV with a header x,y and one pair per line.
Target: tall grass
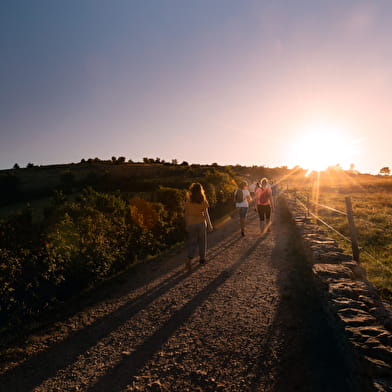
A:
x,y
372,208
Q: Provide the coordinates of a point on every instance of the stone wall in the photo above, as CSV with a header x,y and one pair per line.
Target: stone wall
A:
x,y
351,302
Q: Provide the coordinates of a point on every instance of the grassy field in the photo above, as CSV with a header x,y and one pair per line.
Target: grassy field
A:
x,y
371,198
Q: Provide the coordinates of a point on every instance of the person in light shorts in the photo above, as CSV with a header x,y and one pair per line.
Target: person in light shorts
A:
x,y
242,205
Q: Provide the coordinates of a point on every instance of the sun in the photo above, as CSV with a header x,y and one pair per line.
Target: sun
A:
x,y
323,146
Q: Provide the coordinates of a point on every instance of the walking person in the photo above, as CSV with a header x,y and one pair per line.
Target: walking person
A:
x,y
274,189
263,202
252,189
242,199
197,220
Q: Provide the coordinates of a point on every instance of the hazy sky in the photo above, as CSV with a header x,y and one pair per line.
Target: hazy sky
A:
x,y
225,81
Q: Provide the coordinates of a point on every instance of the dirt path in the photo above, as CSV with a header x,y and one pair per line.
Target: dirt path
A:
x,y
248,320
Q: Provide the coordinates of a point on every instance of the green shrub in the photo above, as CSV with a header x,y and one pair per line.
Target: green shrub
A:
x,y
173,199
85,238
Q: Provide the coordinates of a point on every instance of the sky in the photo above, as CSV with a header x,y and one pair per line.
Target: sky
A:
x,y
267,82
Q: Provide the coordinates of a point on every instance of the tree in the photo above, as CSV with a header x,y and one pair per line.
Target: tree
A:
x,y
121,160
174,162
16,166
385,170
114,159
29,165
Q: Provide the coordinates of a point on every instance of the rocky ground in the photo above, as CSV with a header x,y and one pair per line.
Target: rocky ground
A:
x,y
248,320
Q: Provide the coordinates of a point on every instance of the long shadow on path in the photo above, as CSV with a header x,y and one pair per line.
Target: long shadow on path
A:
x,y
119,377
46,364
65,353
310,357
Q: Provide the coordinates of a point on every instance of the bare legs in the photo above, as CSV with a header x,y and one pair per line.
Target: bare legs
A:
x,y
265,217
242,224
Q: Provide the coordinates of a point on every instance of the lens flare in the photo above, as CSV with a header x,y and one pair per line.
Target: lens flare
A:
x,y
322,147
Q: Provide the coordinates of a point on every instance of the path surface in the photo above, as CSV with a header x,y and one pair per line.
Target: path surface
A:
x,y
248,320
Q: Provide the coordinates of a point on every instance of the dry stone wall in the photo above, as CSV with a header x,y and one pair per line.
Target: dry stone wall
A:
x,y
351,302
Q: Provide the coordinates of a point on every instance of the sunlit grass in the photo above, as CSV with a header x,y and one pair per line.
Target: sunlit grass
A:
x,y
372,208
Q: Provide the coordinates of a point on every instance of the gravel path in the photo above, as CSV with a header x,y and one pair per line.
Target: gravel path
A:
x,y
248,320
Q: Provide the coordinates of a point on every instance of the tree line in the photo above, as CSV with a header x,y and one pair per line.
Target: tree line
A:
x,y
121,160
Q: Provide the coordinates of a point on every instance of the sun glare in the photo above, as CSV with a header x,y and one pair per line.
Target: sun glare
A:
x,y
322,147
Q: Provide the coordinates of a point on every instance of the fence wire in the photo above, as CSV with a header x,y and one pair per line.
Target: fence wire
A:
x,y
363,251
325,223
328,208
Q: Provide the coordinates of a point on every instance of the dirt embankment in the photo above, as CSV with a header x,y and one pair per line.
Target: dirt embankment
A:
x,y
249,320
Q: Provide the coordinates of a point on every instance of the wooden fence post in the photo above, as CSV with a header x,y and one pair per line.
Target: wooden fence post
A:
x,y
352,228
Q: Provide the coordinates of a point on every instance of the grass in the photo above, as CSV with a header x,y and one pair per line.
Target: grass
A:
x,y
372,207
38,207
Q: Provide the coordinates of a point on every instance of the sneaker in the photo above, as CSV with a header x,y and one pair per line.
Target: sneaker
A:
x,y
243,233
202,261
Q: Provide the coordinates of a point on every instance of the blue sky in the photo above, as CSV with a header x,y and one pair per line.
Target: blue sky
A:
x,y
222,81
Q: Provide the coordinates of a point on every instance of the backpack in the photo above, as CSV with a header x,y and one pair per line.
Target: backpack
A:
x,y
264,195
238,197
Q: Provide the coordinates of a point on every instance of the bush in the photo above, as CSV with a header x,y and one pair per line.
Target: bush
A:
x,y
89,238
173,199
80,242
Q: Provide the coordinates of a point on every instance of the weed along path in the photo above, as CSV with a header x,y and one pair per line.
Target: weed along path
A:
x,y
248,320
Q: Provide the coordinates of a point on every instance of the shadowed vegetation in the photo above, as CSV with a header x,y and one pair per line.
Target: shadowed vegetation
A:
x,y
76,225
